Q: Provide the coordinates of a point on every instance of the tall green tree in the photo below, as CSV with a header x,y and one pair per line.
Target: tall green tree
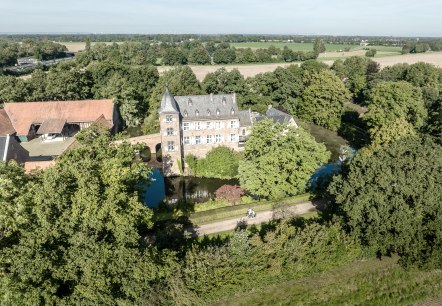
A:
x,y
79,240
318,46
223,81
323,100
391,200
279,160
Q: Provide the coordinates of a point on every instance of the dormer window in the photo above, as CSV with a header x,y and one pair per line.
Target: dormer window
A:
x,y
189,102
224,100
197,113
232,111
217,112
208,112
185,113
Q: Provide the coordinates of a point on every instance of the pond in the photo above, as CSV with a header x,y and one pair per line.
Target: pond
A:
x,y
192,189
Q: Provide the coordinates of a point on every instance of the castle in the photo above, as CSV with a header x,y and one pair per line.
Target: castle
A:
x,y
197,124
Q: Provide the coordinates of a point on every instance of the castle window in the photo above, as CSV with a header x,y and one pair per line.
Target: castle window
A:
x,y
168,118
208,112
169,131
185,113
170,146
209,139
186,140
197,139
189,102
232,124
217,138
217,112
197,125
244,132
186,126
232,111
224,100
232,137
217,125
208,125
197,113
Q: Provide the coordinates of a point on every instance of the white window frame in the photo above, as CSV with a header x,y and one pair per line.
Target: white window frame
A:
x,y
218,138
170,146
232,137
197,139
208,125
218,125
186,126
186,140
233,124
169,131
209,139
169,118
197,125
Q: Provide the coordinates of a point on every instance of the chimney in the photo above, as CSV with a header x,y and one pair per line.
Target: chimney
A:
x,y
211,97
234,98
269,106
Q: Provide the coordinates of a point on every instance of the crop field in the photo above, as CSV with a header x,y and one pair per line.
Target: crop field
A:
x,y
78,46
309,46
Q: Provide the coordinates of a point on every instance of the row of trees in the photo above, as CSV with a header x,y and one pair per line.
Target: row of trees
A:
x,y
40,50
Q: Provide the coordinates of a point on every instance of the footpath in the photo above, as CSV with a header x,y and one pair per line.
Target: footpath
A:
x,y
261,217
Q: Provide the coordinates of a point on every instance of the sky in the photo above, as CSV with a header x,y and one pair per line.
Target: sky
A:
x,y
315,17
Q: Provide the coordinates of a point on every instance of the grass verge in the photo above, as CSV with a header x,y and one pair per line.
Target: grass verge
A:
x,y
363,282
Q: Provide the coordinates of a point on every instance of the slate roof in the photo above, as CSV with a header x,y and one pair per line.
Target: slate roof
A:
x,y
2,147
52,125
168,103
6,127
23,114
245,118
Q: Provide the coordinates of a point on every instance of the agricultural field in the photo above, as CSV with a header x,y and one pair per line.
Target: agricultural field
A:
x,y
309,46
78,46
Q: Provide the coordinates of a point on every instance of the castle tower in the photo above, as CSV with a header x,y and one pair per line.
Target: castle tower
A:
x,y
170,129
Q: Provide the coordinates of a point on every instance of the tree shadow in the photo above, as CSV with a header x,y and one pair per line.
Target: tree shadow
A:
x,y
354,129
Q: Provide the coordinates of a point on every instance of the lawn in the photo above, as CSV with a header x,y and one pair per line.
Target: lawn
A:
x,y
363,282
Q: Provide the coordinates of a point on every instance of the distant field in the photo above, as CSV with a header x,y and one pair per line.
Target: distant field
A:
x,y
78,46
309,46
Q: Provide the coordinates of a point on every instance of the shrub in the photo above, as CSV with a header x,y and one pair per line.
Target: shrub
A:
x,y
231,193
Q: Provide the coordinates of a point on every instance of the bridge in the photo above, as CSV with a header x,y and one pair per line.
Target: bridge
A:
x,y
153,142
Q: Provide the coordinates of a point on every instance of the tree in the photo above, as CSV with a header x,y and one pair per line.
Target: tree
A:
x,y
230,193
223,81
392,100
318,46
323,101
279,160
391,200
220,162
80,239
390,132
174,56
287,55
371,53
199,56
224,56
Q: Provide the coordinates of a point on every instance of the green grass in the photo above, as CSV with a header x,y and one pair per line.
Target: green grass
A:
x,y
363,282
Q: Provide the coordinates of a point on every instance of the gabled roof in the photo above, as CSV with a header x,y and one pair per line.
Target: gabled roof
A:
x,y
51,126
168,103
208,107
6,127
245,118
278,116
23,114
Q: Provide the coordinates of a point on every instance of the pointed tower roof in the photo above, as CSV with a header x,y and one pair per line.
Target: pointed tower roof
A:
x,y
168,103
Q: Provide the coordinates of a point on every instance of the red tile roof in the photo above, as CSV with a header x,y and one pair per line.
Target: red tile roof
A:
x,y
23,114
6,127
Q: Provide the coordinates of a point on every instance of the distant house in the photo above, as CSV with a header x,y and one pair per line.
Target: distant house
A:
x,y
278,116
58,119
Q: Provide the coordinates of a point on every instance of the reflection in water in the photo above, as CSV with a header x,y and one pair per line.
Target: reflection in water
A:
x,y
192,189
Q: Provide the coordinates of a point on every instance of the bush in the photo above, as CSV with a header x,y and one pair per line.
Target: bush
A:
x,y
370,53
231,193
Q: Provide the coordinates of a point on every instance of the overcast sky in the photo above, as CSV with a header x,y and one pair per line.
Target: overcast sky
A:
x,y
332,17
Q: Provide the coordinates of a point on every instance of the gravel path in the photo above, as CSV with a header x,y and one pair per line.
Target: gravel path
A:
x,y
261,217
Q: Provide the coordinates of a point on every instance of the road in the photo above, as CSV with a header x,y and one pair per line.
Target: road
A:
x,y
261,217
